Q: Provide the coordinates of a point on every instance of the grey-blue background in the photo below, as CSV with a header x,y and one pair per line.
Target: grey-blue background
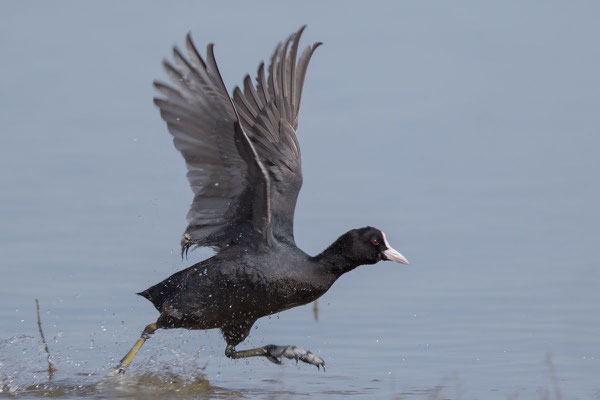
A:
x,y
467,131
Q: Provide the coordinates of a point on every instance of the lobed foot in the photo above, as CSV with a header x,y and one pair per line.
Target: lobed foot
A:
x,y
274,354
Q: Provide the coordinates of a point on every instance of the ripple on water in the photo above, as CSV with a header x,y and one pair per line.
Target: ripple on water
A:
x,y
23,373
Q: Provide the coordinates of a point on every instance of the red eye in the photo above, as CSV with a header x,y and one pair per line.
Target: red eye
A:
x,y
375,242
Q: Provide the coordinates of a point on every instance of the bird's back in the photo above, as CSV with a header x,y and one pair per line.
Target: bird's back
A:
x,y
238,284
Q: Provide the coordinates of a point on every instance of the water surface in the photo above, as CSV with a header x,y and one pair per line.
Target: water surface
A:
x,y
468,133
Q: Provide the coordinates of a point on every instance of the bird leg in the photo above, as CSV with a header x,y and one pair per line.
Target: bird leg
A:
x,y
125,361
274,354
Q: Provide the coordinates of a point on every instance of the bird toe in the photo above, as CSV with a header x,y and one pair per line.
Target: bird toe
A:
x,y
294,353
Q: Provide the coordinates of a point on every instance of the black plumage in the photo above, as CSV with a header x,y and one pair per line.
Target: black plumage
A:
x,y
244,167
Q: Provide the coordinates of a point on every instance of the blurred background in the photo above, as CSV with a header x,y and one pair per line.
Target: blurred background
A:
x,y
468,131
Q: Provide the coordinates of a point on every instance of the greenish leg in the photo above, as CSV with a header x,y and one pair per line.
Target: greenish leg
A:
x,y
275,353
257,352
125,361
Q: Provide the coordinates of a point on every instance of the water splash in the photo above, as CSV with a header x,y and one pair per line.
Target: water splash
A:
x,y
23,372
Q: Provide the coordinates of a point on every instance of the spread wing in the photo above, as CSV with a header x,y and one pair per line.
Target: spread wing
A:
x,y
242,154
268,112
230,184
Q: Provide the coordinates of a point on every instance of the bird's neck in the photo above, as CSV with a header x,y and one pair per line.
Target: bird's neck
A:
x,y
335,259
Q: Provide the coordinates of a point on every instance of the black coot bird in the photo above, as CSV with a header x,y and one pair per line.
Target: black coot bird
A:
x,y
243,162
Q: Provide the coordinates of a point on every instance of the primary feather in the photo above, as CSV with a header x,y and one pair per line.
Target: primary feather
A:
x,y
241,152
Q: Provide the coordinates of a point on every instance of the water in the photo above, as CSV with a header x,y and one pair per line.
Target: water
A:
x,y
468,133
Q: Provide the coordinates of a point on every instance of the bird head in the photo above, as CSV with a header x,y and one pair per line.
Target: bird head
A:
x,y
369,245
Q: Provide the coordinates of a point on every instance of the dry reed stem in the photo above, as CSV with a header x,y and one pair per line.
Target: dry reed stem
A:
x,y
51,368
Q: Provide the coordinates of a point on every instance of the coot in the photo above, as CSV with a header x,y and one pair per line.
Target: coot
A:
x,y
243,162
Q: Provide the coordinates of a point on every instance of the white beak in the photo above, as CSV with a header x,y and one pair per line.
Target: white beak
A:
x,y
392,254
